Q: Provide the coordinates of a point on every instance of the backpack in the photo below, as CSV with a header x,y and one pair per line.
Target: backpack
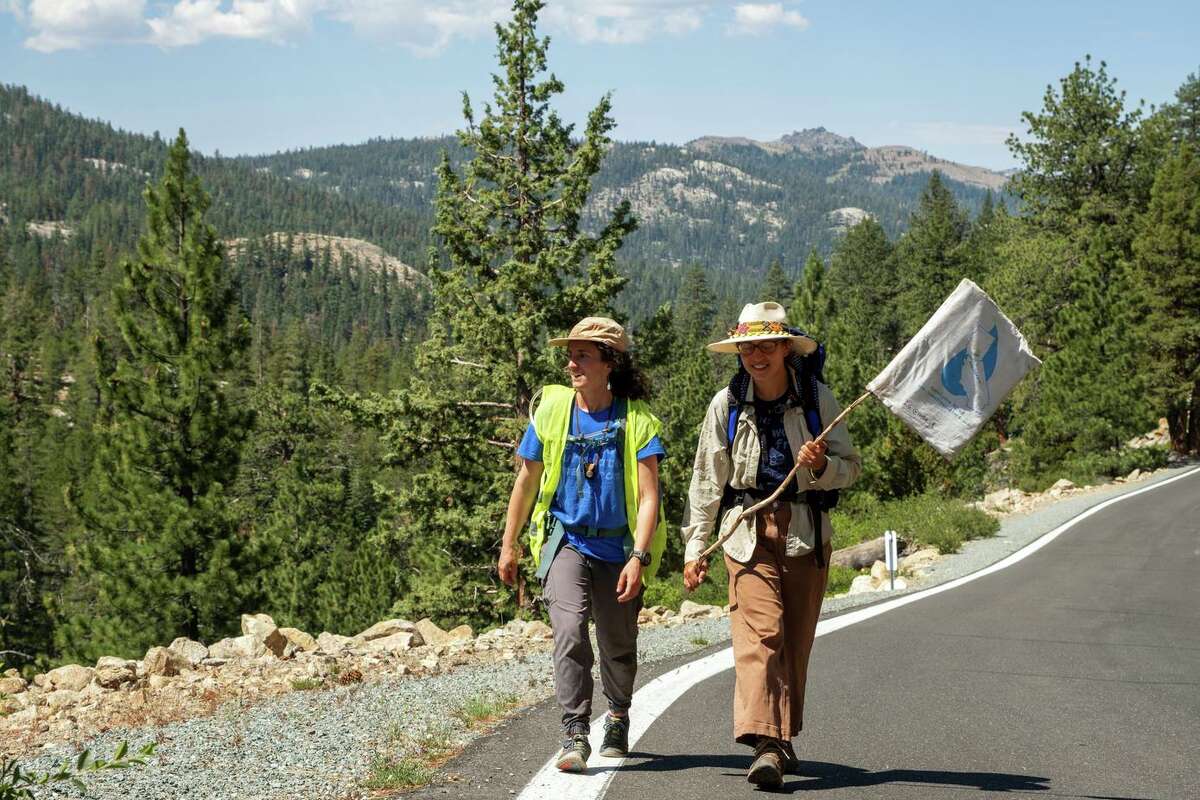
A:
x,y
807,371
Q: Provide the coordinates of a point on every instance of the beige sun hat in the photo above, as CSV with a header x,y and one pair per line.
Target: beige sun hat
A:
x,y
600,330
763,321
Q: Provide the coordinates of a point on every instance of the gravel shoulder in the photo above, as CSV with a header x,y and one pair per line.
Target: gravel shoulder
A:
x,y
321,743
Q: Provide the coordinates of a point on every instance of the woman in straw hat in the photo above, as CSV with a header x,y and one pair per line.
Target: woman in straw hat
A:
x,y
589,473
778,559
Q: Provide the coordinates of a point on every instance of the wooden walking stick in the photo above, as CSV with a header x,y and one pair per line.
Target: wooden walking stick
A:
x,y
754,509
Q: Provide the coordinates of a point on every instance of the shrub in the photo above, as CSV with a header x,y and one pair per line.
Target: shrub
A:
x,y
927,519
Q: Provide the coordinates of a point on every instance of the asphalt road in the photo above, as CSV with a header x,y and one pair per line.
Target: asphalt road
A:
x,y
1074,673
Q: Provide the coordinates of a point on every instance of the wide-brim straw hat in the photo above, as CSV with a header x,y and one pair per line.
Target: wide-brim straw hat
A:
x,y
600,330
763,321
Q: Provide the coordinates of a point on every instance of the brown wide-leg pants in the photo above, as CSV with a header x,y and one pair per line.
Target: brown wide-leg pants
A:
x,y
774,605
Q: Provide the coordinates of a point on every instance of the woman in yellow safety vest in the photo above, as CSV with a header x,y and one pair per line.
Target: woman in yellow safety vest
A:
x,y
589,474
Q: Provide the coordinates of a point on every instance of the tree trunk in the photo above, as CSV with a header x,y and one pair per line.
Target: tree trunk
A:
x,y
1193,430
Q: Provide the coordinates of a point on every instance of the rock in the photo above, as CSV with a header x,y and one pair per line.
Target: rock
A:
x,y
1004,500
190,650
239,647
214,662
61,698
263,628
647,617
396,643
386,628
862,584
12,683
919,561
1061,486
538,630
164,661
23,718
112,672
859,556
72,677
462,633
431,665
1133,476
158,681
333,643
430,632
300,639
880,572
690,610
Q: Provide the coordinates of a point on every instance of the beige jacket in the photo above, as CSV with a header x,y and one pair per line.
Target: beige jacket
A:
x,y
713,469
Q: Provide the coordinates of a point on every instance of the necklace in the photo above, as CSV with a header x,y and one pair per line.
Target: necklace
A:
x,y
589,466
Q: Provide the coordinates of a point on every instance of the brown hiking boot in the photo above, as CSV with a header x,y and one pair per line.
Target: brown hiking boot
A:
x,y
767,770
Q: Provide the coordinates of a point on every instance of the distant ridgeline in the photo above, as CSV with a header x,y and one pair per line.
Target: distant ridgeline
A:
x,y
731,205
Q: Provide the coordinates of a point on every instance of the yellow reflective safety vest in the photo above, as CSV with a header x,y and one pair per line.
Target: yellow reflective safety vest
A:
x,y
552,422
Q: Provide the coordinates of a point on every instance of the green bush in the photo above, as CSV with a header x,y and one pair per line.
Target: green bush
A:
x,y
17,784
667,589
927,519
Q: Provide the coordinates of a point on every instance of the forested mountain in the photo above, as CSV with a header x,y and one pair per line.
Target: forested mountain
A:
x,y
732,205
360,413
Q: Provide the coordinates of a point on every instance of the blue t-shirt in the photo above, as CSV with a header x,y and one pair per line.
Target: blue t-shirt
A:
x,y
599,501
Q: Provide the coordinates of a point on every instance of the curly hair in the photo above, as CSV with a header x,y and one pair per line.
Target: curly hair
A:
x,y
626,379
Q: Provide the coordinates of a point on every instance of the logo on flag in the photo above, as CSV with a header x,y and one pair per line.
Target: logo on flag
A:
x,y
950,378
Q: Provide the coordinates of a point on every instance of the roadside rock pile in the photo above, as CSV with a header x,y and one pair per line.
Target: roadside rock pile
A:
x,y
186,678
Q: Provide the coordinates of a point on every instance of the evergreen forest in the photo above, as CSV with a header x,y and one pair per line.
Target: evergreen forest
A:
x,y
211,404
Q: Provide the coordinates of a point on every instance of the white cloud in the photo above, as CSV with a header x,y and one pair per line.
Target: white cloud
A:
x,y
422,26
193,21
72,24
757,18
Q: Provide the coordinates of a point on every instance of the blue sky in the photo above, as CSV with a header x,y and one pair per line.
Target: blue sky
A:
x,y
253,76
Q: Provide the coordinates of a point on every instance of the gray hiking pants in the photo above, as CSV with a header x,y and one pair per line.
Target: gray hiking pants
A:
x,y
577,589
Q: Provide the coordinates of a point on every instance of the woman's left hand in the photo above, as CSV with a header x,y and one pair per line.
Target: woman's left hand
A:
x,y
630,582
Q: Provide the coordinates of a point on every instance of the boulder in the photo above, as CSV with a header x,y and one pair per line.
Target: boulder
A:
x,y
61,698
1061,486
462,633
430,632
919,561
12,683
1135,475
333,643
301,640
690,610
396,643
386,628
190,650
861,584
263,628
164,661
538,630
247,646
72,677
113,672
1003,500
859,556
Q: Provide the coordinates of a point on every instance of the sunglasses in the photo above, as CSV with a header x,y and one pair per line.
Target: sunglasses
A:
x,y
767,346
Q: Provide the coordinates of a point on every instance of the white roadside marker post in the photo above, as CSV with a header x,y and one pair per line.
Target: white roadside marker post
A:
x,y
889,555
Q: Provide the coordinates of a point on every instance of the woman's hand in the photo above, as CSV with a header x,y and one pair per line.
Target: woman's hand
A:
x,y
694,573
630,582
812,456
507,565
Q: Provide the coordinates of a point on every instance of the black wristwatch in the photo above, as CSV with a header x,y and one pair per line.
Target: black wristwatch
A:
x,y
640,555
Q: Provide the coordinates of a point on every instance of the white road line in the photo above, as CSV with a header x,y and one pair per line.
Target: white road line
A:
x,y
653,699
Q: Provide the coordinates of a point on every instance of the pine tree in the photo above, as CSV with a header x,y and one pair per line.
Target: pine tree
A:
x,y
1167,270
930,259
776,286
813,308
514,266
158,550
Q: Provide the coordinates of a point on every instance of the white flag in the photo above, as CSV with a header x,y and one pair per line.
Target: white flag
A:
x,y
956,371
